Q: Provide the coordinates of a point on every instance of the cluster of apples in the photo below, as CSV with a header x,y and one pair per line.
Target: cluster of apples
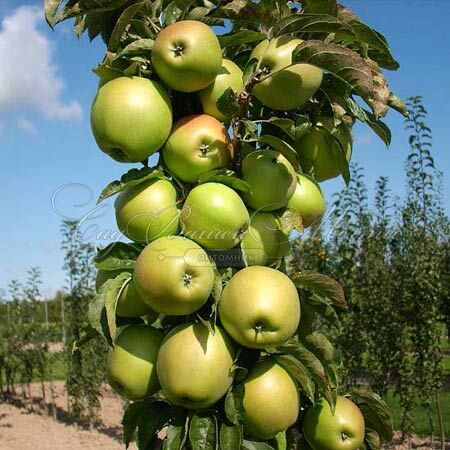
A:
x,y
174,275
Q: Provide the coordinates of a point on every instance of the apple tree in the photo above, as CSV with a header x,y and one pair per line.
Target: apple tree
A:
x,y
236,111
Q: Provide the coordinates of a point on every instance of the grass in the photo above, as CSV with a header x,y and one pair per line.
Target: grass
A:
x,y
420,417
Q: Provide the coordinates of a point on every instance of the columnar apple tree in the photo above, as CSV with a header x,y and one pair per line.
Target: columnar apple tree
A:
x,y
236,110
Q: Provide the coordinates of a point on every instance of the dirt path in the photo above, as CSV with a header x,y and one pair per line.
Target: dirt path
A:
x,y
25,426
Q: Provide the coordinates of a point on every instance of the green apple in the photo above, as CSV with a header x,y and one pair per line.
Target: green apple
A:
x,y
318,149
197,144
174,276
129,303
148,211
195,366
187,56
268,307
290,86
271,400
131,364
261,243
272,180
131,118
214,216
229,76
308,200
343,430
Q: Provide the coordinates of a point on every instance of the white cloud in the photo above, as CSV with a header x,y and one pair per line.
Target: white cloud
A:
x,y
25,125
29,80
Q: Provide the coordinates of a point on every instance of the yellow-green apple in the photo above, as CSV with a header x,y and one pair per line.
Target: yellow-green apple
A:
x,y
195,366
271,177
187,55
174,276
308,200
260,307
131,364
343,430
198,143
261,242
271,400
131,118
148,210
214,216
290,85
319,149
230,76
129,304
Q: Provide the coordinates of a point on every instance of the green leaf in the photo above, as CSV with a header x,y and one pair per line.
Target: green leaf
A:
x,y
130,420
51,7
281,146
342,62
307,358
153,419
234,406
122,24
102,308
137,47
379,127
117,255
325,309
241,37
320,345
224,176
176,434
100,5
321,285
256,445
132,178
228,104
202,432
286,125
372,440
87,335
299,372
172,13
311,23
376,413
398,104
320,6
281,441
230,437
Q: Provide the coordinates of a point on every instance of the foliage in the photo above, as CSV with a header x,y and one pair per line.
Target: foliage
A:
x,y
352,56
391,261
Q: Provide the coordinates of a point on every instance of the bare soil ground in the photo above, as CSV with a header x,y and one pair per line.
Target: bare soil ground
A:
x,y
25,425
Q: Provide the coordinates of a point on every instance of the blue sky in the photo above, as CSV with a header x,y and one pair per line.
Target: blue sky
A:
x,y
46,86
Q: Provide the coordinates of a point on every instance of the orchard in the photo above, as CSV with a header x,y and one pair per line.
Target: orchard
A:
x,y
236,110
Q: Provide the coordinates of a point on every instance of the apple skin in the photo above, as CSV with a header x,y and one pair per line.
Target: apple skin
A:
x,y
291,87
187,56
131,363
261,243
260,308
129,303
229,76
197,144
272,180
271,400
174,276
194,366
324,431
131,118
148,211
214,216
316,149
308,200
